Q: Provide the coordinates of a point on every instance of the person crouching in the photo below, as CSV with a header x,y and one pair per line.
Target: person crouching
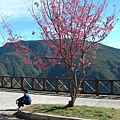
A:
x,y
24,100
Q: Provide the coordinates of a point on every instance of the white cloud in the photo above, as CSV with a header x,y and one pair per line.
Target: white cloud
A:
x,y
15,8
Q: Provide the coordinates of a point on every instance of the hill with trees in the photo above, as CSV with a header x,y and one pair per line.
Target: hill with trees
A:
x,y
106,65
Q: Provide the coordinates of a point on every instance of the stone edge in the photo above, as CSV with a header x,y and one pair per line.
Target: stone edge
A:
x,y
38,116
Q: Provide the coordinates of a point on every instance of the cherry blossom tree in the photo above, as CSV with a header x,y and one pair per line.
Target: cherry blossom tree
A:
x,y
73,29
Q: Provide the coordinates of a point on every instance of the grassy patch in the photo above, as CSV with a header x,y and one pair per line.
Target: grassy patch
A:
x,y
97,113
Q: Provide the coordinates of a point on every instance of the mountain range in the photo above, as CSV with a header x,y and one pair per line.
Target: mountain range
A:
x,y
11,63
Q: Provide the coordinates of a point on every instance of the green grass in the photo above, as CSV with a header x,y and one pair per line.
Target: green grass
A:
x,y
97,113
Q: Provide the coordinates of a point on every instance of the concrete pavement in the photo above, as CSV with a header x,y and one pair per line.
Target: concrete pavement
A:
x,y
8,98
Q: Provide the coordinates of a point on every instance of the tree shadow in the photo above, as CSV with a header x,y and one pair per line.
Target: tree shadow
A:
x,y
55,108
8,110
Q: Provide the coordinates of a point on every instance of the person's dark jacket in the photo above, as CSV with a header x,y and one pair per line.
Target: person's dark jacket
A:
x,y
26,97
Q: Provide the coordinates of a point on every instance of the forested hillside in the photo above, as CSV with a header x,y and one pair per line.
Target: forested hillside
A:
x,y
107,63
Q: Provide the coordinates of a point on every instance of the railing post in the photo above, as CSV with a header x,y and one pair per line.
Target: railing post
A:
x,y
22,82
111,87
97,86
33,85
44,83
2,81
56,84
12,82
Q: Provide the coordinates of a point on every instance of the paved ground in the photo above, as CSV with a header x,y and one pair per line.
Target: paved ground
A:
x,y
8,98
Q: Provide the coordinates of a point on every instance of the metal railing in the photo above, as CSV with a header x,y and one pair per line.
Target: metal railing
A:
x,y
89,86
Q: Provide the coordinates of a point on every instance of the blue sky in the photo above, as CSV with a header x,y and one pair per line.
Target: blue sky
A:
x,y
23,23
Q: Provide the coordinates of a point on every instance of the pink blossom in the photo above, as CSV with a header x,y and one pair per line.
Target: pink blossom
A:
x,y
59,63
72,69
81,60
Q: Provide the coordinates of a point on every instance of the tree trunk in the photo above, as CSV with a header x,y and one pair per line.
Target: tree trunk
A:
x,y
71,102
73,94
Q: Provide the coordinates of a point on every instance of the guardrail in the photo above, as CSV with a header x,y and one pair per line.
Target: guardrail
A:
x,y
90,86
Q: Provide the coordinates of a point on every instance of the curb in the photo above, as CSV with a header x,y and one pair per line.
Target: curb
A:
x,y
40,116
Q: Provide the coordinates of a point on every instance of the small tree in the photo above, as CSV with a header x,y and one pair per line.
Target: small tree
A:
x,y
72,28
